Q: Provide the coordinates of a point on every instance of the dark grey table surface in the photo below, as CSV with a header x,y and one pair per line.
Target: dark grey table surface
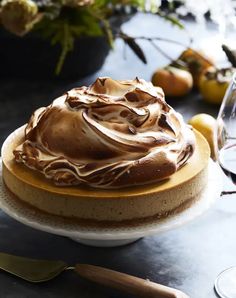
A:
x,y
188,258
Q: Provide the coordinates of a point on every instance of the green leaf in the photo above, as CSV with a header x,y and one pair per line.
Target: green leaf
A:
x,y
231,54
104,24
136,49
172,19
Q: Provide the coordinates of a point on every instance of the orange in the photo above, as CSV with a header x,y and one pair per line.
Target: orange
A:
x,y
173,81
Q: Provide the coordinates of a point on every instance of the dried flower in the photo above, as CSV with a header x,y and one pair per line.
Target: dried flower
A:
x,y
18,16
77,3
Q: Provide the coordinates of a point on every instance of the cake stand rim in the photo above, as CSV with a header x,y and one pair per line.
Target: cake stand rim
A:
x,y
48,223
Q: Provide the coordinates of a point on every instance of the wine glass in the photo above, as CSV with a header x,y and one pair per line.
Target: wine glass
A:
x,y
225,149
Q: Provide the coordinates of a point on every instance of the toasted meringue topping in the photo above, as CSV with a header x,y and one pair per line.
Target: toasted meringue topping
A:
x,y
111,134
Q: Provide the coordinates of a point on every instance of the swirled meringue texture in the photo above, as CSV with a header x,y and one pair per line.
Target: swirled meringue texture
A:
x,y
112,134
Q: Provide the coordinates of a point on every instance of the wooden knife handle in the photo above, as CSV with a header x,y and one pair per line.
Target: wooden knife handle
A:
x,y
127,283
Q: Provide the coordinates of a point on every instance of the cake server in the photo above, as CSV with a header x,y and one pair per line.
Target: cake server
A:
x,y
37,271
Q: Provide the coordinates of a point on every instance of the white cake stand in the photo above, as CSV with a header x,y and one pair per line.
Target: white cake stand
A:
x,y
110,236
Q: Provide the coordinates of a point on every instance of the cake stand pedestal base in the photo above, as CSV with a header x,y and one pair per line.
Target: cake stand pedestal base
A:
x,y
105,243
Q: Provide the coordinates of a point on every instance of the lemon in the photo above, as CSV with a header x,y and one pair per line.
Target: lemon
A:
x,y
212,91
214,83
205,124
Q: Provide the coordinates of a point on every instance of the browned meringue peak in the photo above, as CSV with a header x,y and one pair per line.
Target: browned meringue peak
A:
x,y
108,135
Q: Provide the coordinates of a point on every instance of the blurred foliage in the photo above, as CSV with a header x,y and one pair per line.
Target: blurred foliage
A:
x,y
64,21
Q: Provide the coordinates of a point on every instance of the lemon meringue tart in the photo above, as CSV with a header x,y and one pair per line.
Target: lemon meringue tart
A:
x,y
111,153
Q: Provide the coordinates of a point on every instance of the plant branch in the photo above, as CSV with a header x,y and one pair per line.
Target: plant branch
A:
x,y
122,35
176,62
152,40
67,46
223,193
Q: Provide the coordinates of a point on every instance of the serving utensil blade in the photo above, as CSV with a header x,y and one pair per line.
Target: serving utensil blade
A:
x,y
31,270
